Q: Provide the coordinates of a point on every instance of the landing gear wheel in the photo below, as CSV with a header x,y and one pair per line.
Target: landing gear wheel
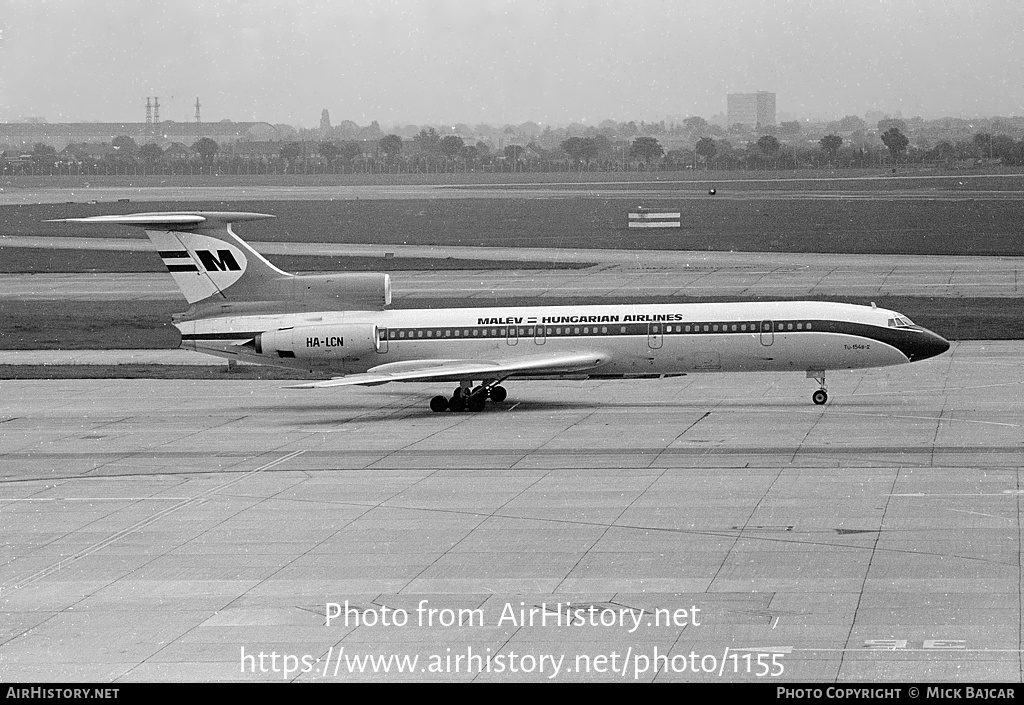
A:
x,y
819,397
476,402
438,403
457,404
459,393
498,393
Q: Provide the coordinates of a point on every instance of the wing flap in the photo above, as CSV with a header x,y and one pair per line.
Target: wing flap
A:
x,y
429,370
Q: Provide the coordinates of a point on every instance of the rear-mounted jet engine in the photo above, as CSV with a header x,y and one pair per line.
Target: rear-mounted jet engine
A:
x,y
319,342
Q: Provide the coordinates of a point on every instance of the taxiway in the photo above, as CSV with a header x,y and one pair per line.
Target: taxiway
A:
x,y
162,530
616,273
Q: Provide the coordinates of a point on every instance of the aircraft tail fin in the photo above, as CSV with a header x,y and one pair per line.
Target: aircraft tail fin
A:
x,y
213,266
202,253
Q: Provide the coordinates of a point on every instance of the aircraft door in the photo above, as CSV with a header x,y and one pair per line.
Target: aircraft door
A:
x,y
655,331
382,340
512,336
767,333
540,336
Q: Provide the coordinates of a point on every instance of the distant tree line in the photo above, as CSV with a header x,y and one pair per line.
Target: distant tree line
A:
x,y
428,151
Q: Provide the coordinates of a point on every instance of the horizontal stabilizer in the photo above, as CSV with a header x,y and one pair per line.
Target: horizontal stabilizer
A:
x,y
170,220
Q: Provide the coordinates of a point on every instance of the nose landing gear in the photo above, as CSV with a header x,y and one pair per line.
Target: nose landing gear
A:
x,y
820,396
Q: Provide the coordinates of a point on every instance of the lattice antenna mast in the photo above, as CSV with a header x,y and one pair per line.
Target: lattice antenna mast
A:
x,y
199,120
156,111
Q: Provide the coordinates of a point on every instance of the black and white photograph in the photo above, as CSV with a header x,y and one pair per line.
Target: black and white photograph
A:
x,y
512,341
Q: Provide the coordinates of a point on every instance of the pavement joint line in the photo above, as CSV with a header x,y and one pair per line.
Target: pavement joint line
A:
x,y
675,645
170,643
980,514
870,562
93,499
368,507
938,430
483,517
741,533
586,553
946,389
821,411
939,418
675,440
540,448
1004,493
18,583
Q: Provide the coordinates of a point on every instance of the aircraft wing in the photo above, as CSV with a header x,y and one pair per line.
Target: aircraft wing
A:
x,y
434,370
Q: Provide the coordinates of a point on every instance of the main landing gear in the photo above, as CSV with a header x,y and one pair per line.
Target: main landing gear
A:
x,y
466,399
820,396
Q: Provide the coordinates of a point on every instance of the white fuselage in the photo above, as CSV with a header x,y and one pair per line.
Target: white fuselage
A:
x,y
635,340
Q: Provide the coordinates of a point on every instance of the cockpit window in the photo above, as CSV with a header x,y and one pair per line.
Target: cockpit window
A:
x,y
900,322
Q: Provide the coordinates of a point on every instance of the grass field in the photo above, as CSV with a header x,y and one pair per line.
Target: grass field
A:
x,y
873,179
858,226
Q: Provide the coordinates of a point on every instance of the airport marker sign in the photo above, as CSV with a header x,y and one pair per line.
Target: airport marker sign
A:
x,y
644,219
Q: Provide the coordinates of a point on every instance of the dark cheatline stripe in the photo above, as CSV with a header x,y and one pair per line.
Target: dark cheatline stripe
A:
x,y
226,335
182,268
174,254
916,343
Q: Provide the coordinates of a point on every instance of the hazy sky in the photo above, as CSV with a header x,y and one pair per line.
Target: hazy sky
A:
x,y
505,61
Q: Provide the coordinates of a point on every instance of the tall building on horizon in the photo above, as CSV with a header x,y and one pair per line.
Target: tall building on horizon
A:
x,y
751,109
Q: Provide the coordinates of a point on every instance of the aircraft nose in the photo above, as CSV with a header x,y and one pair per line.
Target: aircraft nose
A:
x,y
923,344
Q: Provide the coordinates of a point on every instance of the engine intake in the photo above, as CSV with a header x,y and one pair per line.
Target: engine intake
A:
x,y
342,291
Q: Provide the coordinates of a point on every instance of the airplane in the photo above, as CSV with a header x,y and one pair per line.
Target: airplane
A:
x,y
244,308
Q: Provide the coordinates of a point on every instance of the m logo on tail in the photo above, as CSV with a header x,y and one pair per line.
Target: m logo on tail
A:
x,y
182,261
224,261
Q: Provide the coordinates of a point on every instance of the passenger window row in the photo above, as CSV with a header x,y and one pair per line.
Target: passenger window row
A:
x,y
570,331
